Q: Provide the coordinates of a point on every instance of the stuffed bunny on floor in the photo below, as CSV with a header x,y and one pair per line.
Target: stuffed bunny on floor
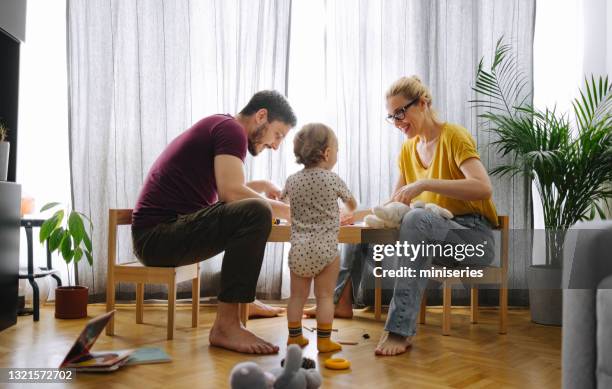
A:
x,y
390,215
293,375
248,375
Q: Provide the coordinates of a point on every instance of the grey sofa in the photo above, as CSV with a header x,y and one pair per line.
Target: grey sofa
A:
x,y
587,306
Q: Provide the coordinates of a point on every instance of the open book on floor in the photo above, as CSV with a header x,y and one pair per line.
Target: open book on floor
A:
x,y
81,358
147,355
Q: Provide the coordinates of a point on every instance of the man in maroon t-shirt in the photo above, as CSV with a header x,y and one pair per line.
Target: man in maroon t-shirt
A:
x,y
195,204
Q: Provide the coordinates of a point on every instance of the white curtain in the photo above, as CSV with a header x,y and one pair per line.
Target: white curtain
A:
x,y
43,121
140,73
368,44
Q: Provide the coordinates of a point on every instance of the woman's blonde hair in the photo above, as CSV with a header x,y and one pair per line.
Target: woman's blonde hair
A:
x,y
412,88
310,143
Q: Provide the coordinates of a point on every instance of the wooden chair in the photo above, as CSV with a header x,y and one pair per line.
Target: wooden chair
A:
x,y
492,275
140,275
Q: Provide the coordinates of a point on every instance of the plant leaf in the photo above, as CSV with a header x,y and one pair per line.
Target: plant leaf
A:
x,y
56,238
66,247
48,206
47,228
50,224
86,218
78,254
89,258
87,241
76,228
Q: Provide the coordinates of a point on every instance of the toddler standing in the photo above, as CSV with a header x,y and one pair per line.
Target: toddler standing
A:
x,y
313,194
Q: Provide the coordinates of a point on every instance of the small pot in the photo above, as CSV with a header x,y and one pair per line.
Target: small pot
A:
x,y
71,302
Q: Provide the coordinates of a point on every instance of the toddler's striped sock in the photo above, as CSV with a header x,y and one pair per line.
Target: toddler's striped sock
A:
x,y
324,342
295,334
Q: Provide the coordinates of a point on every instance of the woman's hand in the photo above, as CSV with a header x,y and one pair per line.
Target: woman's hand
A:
x,y
346,217
406,193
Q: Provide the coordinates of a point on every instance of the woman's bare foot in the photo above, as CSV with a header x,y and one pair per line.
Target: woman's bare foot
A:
x,y
259,309
392,344
238,338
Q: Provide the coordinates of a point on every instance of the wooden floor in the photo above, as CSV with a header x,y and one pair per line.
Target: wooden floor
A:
x,y
474,356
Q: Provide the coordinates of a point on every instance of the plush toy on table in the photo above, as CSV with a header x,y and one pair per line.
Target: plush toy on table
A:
x,y
390,215
248,375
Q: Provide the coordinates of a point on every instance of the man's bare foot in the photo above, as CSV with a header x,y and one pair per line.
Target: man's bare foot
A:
x,y
259,309
340,312
392,344
238,338
311,312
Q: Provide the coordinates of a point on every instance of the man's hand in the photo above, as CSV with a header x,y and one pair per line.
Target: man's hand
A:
x,y
406,193
266,187
281,210
272,191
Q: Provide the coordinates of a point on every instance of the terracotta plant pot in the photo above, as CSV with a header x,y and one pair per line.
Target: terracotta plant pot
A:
x,y
71,302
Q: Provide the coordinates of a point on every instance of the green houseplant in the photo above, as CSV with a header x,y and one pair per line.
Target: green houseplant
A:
x,y
69,237
570,161
4,151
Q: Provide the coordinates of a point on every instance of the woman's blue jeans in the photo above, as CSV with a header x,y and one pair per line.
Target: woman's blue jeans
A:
x,y
425,227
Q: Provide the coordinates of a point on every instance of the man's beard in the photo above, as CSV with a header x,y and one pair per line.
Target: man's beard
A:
x,y
255,138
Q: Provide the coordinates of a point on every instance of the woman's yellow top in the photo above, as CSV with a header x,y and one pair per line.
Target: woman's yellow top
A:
x,y
455,145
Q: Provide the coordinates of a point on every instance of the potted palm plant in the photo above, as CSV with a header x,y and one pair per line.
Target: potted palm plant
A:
x,y
570,161
4,151
69,237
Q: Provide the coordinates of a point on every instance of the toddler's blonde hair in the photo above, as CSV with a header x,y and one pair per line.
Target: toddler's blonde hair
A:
x,y
310,143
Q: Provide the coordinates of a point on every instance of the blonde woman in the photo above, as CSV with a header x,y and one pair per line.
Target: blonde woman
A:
x,y
438,163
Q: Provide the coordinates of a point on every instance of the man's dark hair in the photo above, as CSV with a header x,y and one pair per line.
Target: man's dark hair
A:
x,y
277,105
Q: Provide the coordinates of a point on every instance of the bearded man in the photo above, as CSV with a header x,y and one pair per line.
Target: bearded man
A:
x,y
195,204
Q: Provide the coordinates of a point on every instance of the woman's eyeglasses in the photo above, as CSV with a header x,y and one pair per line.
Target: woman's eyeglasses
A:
x,y
401,113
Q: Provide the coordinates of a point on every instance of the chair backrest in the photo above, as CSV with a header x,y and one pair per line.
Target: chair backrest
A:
x,y
116,217
503,225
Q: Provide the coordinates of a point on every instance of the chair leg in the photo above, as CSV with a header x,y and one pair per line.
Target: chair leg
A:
x,y
446,309
377,299
474,305
171,305
503,308
139,302
110,305
195,300
423,308
243,312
